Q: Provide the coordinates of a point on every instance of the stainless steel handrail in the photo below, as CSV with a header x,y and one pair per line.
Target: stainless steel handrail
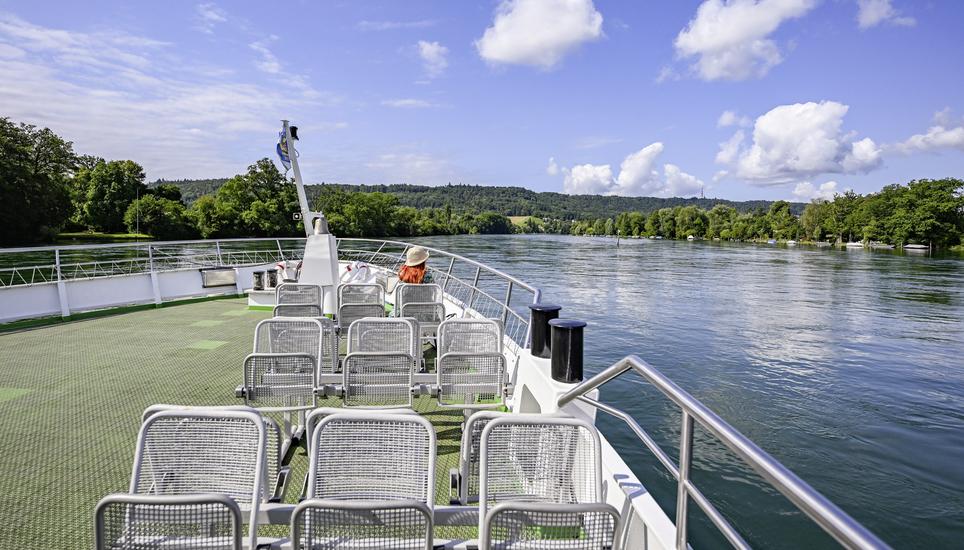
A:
x,y
834,521
446,272
492,270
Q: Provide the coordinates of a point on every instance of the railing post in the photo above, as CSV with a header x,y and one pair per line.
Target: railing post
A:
x,y
508,297
281,254
155,287
475,285
448,274
682,494
61,287
220,261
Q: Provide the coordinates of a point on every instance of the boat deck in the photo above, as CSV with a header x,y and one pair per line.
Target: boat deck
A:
x,y
72,395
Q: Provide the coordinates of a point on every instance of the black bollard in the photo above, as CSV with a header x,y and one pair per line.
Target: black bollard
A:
x,y
539,319
567,350
258,280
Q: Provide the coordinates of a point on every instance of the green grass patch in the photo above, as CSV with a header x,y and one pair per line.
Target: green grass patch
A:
x,y
261,308
206,344
6,394
207,323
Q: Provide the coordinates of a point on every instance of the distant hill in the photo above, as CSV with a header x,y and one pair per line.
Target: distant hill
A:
x,y
511,201
192,189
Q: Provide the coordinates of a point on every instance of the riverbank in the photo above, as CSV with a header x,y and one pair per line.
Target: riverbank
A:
x,y
81,237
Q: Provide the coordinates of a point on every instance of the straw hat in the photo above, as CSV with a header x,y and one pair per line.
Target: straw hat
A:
x,y
415,256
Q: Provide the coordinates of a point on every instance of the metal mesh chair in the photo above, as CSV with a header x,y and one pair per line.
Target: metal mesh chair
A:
x,y
469,335
384,335
295,293
142,522
378,380
276,473
471,380
280,381
465,479
407,293
428,314
313,336
358,293
320,413
366,456
191,451
361,525
541,526
349,313
296,310
535,458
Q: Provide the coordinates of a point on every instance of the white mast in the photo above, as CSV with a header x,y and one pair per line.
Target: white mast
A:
x,y
308,217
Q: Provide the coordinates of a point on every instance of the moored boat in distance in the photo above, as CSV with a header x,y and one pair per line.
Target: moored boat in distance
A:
x,y
881,246
855,245
791,242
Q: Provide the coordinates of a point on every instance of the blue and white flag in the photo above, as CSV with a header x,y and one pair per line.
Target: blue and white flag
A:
x,y
283,151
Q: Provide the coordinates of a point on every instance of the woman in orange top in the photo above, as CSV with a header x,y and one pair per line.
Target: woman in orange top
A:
x,y
414,269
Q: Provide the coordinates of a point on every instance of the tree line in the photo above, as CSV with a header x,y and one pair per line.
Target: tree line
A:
x,y
46,188
922,212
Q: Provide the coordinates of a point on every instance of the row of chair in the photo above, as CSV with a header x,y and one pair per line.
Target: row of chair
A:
x,y
291,354
201,473
423,302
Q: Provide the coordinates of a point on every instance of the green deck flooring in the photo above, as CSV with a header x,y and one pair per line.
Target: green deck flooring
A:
x,y
71,398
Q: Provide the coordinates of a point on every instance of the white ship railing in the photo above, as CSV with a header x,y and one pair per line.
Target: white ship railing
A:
x,y
834,521
20,266
469,284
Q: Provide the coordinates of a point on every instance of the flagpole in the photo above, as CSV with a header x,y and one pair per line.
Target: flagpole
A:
x,y
307,216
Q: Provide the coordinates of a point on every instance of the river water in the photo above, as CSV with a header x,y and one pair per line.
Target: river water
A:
x,y
847,366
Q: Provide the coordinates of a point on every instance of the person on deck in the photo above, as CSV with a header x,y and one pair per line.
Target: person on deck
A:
x,y
414,269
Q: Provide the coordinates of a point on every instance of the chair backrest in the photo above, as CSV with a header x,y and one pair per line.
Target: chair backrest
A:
x,y
426,313
296,310
471,380
273,456
296,293
549,526
192,451
361,293
365,456
178,522
470,335
378,380
384,335
469,454
364,524
320,413
280,380
314,336
539,458
349,313
406,293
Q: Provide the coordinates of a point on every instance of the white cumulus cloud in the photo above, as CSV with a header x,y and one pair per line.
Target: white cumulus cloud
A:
x,y
806,191
639,175
871,13
588,179
731,39
538,32
267,62
945,134
434,57
552,168
731,118
793,143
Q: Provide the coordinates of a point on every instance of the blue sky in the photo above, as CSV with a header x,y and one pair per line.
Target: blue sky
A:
x,y
745,98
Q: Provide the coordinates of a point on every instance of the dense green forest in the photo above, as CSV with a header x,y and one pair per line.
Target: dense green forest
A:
x,y
46,188
510,201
